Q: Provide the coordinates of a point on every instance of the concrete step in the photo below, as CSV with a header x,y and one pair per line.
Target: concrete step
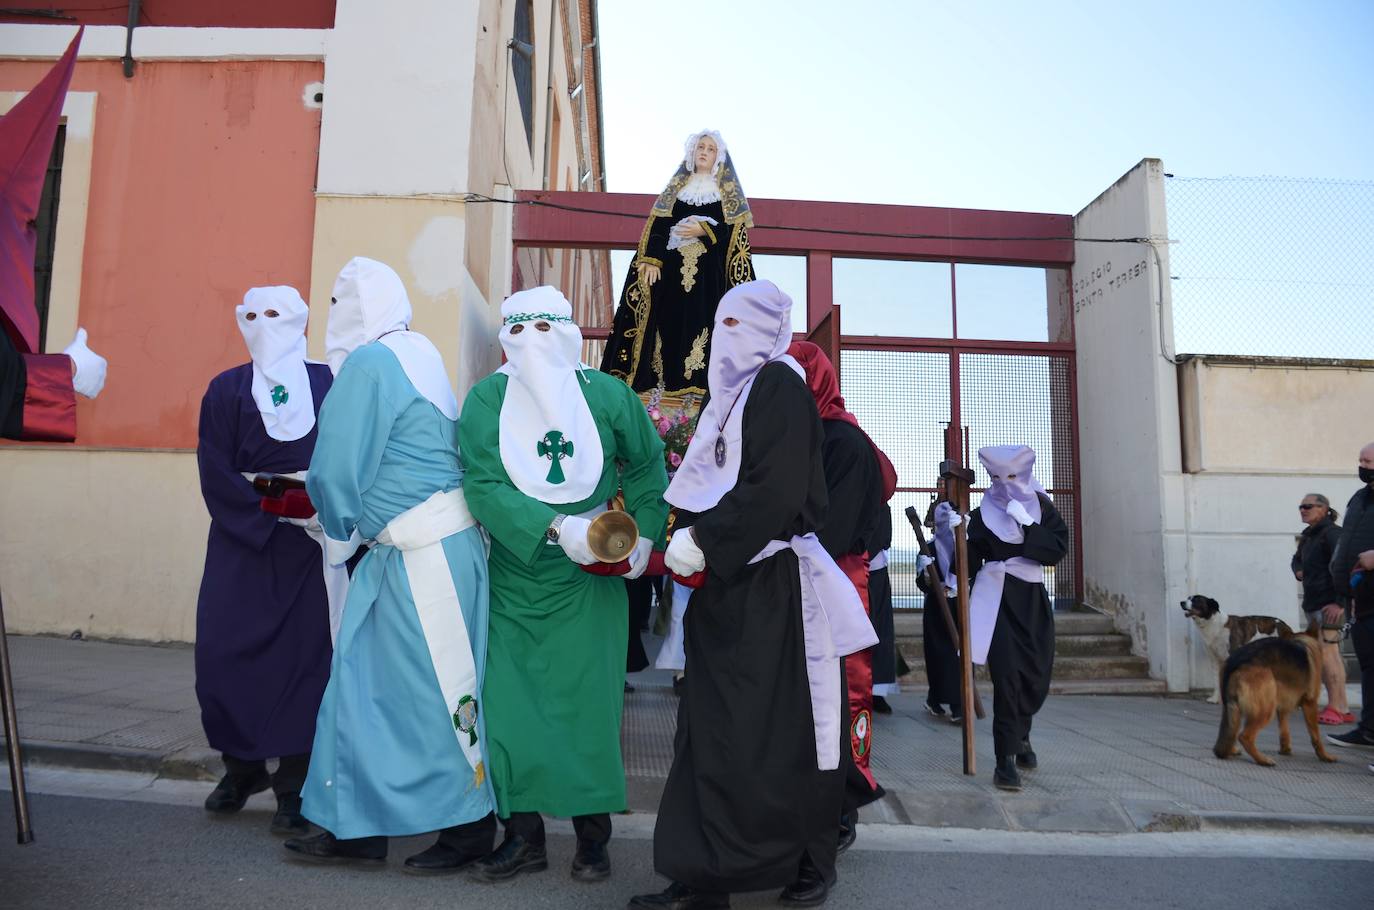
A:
x,y
1064,646
908,623
1065,668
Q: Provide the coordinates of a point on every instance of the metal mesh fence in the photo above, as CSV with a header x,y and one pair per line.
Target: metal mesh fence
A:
x,y
1025,399
1272,266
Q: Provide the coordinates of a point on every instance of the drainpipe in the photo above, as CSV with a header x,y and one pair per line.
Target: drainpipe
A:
x,y
134,8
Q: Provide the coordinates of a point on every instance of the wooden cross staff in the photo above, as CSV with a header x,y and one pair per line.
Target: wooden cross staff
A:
x,y
958,479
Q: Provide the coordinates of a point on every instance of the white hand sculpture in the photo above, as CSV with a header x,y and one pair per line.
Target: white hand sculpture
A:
x,y
90,366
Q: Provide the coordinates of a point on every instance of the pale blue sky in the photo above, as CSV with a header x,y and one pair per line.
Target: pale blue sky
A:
x,y
1027,106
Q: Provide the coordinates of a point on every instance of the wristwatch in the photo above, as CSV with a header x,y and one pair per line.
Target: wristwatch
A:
x,y
551,532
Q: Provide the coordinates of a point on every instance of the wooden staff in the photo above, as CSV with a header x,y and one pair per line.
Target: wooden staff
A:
x,y
937,588
958,479
21,796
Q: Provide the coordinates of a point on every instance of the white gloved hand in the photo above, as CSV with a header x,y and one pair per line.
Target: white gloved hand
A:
x,y
921,563
951,592
90,366
684,557
309,524
1019,513
572,537
639,559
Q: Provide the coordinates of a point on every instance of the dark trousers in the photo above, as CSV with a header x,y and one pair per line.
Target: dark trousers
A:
x,y
288,779
1020,660
530,826
1362,637
473,838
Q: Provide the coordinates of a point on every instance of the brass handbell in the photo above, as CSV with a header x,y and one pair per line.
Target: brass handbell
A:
x,y
612,536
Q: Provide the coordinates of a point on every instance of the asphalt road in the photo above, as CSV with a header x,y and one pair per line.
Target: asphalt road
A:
x,y
112,842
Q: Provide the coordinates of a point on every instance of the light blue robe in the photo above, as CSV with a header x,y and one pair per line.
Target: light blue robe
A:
x,y
386,761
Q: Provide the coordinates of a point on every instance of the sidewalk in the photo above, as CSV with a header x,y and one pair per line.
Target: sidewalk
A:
x,y
1108,763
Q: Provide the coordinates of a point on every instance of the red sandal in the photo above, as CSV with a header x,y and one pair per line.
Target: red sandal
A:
x,y
1331,717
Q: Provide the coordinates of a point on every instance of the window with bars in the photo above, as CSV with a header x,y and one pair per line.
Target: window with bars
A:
x,y
46,224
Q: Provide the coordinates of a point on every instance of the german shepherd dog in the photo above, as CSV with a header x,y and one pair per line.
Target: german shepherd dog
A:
x,y
1270,677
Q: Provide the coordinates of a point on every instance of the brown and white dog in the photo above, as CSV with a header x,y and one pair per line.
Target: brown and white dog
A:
x,y
1265,679
1223,634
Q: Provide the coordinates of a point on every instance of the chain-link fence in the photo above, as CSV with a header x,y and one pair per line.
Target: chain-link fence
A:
x,y
1272,266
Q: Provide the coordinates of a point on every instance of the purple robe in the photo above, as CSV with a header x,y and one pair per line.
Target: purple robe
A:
x,y
262,620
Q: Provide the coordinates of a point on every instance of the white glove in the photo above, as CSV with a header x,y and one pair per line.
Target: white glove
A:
x,y
311,524
1018,512
955,519
684,557
90,366
921,563
639,559
572,537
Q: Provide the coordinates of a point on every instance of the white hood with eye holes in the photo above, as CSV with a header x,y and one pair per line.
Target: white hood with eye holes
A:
x,y
550,445
369,303
281,383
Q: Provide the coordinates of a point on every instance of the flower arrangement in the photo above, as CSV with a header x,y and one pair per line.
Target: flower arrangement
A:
x,y
675,419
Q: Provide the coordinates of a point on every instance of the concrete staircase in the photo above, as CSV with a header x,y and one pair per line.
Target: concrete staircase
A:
x,y
1090,657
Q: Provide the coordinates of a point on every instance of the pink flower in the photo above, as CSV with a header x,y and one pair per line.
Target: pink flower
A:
x,y
665,425
674,459
654,414
682,420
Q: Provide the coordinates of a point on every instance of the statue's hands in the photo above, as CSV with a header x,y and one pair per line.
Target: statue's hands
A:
x,y
648,273
689,229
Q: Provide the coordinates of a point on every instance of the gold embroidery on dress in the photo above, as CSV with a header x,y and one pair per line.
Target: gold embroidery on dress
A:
x,y
691,252
638,298
739,265
696,360
658,357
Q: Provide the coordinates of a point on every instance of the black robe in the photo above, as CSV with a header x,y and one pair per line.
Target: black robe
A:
x,y
1021,656
854,484
675,322
744,798
880,601
940,652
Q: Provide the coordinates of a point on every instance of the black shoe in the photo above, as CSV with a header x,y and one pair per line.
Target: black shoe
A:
x,y
956,716
288,820
880,705
440,859
514,856
1358,737
233,791
628,688
1025,759
849,832
326,848
591,862
680,897
809,890
933,710
1005,777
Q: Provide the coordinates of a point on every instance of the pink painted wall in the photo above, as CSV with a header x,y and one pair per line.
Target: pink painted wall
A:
x,y
202,186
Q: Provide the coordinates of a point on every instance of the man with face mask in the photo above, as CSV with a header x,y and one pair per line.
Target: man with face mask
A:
x,y
1013,534
399,744
262,619
1352,572
547,442
757,784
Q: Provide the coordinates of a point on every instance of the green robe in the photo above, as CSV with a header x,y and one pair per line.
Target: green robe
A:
x,y
554,687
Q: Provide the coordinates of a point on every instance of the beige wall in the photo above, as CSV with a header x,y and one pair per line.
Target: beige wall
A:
x,y
113,544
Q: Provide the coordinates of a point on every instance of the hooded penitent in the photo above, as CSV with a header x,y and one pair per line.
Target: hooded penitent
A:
x,y
762,332
368,304
272,320
550,445
1011,475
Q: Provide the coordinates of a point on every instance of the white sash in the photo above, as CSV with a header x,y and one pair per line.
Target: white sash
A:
x,y
672,655
986,599
419,533
335,576
834,625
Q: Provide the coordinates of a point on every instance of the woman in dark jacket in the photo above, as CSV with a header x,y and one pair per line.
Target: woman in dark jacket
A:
x,y
1312,566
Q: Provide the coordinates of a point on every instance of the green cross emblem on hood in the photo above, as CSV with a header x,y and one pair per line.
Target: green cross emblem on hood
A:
x,y
279,396
555,448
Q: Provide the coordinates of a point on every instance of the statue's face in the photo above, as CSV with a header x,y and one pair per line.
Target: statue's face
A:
x,y
705,156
